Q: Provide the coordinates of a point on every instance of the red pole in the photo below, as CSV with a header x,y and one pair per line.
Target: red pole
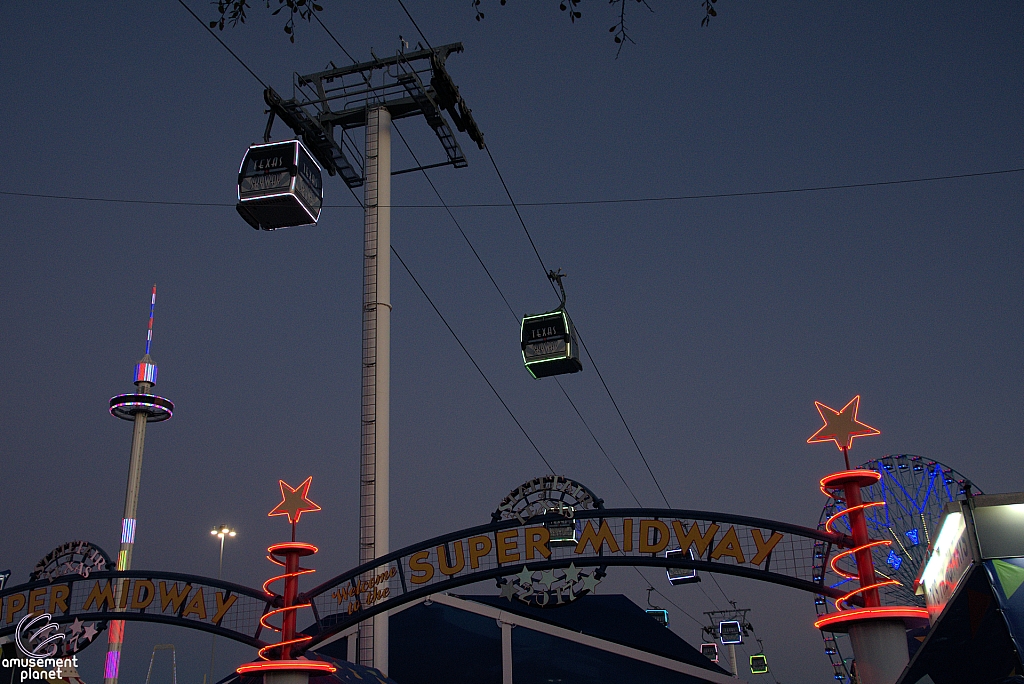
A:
x,y
859,532
291,590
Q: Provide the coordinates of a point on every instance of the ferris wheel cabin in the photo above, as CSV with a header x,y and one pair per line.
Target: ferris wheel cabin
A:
x,y
549,344
280,185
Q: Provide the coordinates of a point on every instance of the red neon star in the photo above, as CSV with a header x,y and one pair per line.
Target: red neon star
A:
x,y
841,426
294,502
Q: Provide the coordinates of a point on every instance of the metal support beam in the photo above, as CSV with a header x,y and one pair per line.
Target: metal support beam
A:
x,y
374,438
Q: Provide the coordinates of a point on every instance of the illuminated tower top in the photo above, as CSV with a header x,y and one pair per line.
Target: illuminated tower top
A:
x,y
127,406
145,369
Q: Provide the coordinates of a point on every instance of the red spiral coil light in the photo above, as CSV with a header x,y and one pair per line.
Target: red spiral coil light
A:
x,y
850,512
291,552
850,483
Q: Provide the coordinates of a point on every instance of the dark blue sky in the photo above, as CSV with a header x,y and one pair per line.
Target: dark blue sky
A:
x,y
716,322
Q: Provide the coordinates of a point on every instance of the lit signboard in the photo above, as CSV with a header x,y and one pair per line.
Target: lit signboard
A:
x,y
950,559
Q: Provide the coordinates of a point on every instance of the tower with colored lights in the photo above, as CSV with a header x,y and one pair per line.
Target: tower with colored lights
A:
x,y
277,663
140,407
878,632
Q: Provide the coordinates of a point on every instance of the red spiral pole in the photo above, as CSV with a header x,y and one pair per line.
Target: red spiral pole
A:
x,y
294,502
291,552
850,482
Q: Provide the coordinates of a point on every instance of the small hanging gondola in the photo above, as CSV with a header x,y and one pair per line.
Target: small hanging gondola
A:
x,y
656,612
730,632
549,341
709,651
280,185
681,575
758,664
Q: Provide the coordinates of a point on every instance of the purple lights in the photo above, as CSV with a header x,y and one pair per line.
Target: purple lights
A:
x,y
125,406
113,659
128,531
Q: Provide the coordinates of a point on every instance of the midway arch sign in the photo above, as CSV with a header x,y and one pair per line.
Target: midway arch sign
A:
x,y
516,549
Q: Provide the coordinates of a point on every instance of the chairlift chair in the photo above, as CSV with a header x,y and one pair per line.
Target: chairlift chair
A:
x,y
280,185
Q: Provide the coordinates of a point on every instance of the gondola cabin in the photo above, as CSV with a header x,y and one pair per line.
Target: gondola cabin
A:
x,y
279,185
659,614
563,532
758,664
709,651
681,575
730,632
549,344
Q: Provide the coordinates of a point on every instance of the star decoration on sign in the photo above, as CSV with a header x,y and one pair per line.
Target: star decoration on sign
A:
x,y
89,632
525,577
508,590
294,501
547,578
590,582
841,426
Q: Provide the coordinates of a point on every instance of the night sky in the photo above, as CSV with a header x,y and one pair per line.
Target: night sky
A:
x,y
716,322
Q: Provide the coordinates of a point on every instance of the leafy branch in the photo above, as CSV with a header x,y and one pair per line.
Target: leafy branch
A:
x,y
233,12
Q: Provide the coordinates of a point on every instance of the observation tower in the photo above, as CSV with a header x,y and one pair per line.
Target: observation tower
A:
x,y
140,407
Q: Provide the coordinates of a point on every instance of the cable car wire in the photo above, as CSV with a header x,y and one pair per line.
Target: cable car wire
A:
x,y
511,310
210,30
475,364
674,604
583,344
402,261
557,203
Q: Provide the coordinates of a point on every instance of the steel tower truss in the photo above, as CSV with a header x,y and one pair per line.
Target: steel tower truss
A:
x,y
326,104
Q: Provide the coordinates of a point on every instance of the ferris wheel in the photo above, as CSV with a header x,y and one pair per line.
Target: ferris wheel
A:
x,y
915,491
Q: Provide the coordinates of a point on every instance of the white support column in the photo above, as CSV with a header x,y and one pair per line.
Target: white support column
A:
x,y
506,653
374,446
733,667
880,648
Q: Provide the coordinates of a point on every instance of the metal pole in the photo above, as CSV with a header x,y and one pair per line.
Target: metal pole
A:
x,y
213,639
374,438
733,667
124,557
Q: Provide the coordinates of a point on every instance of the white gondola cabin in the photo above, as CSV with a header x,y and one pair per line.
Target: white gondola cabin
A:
x,y
279,185
730,632
709,651
681,575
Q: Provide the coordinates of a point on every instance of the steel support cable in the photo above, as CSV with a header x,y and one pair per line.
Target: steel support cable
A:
x,y
455,221
592,362
674,604
582,343
415,24
210,31
511,310
564,203
475,364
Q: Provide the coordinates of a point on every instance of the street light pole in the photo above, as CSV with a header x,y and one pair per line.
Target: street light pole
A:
x,y
221,531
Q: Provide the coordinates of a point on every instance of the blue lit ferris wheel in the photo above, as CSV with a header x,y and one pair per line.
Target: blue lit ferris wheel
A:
x,y
915,491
